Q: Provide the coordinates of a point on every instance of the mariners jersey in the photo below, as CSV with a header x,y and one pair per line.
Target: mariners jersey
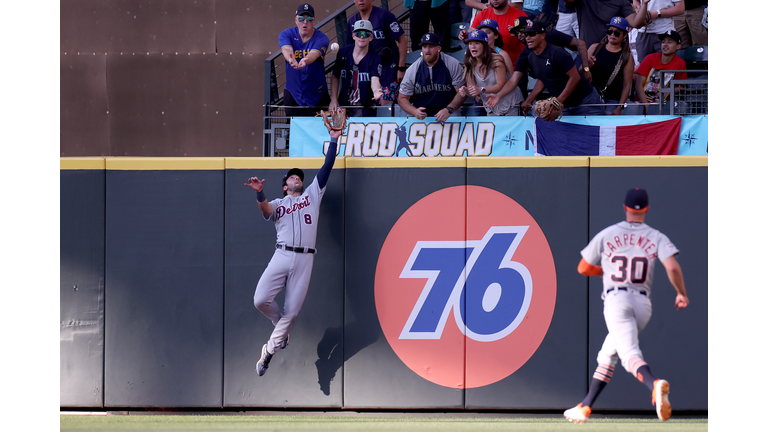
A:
x,y
307,85
627,252
296,218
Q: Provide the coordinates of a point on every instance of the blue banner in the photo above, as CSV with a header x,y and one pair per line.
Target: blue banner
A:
x,y
460,136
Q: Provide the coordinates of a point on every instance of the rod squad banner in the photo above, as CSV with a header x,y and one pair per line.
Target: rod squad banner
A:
x,y
462,136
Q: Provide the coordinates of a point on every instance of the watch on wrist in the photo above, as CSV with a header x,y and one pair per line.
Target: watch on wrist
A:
x,y
482,90
658,14
402,68
586,69
450,110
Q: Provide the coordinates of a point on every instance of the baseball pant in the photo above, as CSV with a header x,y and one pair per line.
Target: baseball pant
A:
x,y
292,271
421,15
626,314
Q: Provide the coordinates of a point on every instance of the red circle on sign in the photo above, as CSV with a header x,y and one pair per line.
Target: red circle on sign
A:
x,y
458,214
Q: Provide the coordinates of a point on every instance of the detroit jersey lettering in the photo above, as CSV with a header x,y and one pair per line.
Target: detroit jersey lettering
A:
x,y
627,252
295,218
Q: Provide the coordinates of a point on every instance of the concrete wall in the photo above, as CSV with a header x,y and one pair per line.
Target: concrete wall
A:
x,y
160,257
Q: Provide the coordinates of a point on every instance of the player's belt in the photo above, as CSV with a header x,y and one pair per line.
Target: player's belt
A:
x,y
297,249
625,289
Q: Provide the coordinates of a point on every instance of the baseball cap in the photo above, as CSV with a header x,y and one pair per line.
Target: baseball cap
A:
x,y
490,23
305,8
619,22
291,172
362,25
636,200
477,35
521,23
430,38
535,27
671,34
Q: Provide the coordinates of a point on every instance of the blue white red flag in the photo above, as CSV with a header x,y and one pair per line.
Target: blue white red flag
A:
x,y
558,138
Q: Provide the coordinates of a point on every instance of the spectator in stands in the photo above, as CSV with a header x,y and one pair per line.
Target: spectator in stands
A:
x,y
568,22
491,28
648,76
424,12
430,83
389,42
689,24
304,50
593,14
504,15
481,5
358,69
486,73
558,74
460,11
661,12
613,66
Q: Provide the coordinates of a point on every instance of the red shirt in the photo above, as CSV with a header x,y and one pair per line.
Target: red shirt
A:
x,y
512,44
653,61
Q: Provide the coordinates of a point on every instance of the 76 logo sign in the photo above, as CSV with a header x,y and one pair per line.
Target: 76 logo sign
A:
x,y
488,292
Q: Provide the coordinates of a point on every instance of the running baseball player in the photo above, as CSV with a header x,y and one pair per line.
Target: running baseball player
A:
x,y
295,217
625,255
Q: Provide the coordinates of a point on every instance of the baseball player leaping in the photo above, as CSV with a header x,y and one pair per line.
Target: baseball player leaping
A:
x,y
625,254
295,217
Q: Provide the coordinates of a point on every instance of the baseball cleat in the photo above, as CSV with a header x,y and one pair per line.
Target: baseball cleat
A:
x,y
660,396
263,364
578,414
285,342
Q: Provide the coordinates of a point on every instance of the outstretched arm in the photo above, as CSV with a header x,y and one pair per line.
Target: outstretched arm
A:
x,y
258,185
675,274
330,159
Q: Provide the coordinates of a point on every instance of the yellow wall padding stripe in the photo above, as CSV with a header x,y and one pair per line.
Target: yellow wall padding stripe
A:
x,y
528,161
285,163
81,163
167,163
648,161
396,162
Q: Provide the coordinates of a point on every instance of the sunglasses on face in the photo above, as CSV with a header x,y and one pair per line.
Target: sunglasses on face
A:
x,y
362,34
614,32
530,34
307,19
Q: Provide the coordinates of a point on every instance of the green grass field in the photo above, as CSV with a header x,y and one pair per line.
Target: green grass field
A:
x,y
372,423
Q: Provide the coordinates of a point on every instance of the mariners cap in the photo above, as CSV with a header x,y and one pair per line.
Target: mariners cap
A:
x,y
305,9
619,22
490,23
291,172
430,38
671,34
535,27
363,25
636,200
477,35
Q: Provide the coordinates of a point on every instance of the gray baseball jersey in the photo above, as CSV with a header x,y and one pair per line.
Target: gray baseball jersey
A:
x,y
627,252
295,218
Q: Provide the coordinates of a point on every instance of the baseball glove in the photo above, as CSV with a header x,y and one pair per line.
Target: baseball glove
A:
x,y
548,110
335,120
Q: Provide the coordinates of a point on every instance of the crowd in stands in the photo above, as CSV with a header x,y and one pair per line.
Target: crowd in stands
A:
x,y
593,56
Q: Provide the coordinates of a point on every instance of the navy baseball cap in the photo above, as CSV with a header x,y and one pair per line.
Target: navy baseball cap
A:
x,y
291,172
490,23
520,24
430,38
477,35
671,34
305,8
636,200
535,27
620,23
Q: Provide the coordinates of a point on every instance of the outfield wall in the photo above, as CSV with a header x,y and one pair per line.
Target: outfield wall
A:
x,y
160,257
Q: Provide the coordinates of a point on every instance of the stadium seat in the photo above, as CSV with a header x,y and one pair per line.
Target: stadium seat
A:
x,y
456,43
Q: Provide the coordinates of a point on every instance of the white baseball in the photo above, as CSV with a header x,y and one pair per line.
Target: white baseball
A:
x,y
334,46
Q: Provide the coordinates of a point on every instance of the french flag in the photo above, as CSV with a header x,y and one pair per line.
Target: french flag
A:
x,y
558,138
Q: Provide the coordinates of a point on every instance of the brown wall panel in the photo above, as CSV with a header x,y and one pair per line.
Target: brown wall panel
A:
x,y
184,105
84,121
134,26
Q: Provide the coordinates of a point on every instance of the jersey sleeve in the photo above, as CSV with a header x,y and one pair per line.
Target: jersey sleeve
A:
x,y
666,248
593,252
457,71
406,87
315,192
395,30
273,216
320,44
337,64
284,39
